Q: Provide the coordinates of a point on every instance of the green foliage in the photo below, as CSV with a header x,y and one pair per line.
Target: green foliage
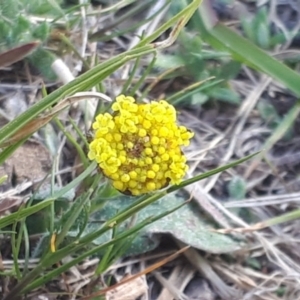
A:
x,y
76,217
23,213
258,30
100,221
20,32
42,7
41,245
242,50
197,63
9,9
115,233
254,263
42,59
281,291
41,31
268,113
186,224
237,188
16,28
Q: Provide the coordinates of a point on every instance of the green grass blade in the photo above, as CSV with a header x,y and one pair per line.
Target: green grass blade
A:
x,y
81,83
23,213
183,16
223,38
95,250
209,173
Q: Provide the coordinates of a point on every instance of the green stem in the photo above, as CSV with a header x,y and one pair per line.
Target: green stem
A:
x,y
131,75
142,78
290,216
15,250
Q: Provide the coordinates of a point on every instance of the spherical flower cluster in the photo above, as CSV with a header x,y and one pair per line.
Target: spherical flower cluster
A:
x,y
138,146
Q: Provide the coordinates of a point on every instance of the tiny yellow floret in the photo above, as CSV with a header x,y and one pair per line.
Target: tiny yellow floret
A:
x,y
148,151
155,167
148,160
142,132
138,146
151,174
133,174
151,186
118,185
117,137
155,140
125,178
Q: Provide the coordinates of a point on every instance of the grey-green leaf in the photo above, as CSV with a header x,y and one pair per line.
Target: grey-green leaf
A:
x,y
187,224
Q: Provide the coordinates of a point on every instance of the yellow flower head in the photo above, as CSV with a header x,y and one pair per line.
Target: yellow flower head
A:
x,y
138,146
